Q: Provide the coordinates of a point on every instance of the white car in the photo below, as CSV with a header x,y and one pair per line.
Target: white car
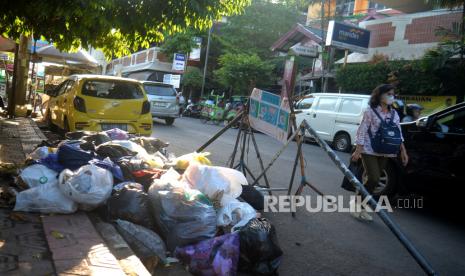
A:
x,y
164,100
335,117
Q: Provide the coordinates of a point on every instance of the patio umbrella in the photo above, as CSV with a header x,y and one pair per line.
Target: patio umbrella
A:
x,y
51,54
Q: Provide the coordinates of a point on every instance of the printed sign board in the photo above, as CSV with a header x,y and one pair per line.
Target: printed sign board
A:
x,y
305,51
195,54
269,114
174,80
348,37
179,62
431,104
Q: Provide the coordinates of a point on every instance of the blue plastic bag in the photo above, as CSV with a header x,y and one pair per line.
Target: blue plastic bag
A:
x,y
109,165
51,162
72,157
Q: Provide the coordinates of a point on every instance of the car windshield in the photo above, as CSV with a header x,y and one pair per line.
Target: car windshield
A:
x,y
112,89
159,90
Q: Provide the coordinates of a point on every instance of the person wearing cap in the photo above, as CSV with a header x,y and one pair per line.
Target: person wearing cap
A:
x,y
413,113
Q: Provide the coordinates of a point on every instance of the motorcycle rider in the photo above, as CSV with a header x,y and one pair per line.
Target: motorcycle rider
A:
x,y
413,113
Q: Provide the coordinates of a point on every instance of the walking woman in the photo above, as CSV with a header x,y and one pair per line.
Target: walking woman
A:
x,y
379,137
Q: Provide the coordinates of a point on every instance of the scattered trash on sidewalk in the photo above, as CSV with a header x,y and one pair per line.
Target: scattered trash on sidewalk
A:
x,y
163,206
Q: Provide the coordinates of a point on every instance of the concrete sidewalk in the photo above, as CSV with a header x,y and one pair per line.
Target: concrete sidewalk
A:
x,y
34,244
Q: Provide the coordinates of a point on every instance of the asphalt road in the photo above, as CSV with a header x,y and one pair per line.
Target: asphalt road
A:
x,y
332,243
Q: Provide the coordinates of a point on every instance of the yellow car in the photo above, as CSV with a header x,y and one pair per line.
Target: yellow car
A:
x,y
98,103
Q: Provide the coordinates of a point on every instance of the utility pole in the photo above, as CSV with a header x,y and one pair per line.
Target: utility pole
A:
x,y
206,61
323,42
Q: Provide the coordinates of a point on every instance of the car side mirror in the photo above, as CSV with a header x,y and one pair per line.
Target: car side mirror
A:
x,y
422,123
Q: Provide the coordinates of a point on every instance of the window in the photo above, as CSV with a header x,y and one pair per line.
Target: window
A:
x,y
110,89
376,6
60,89
452,123
327,104
159,90
351,106
69,85
305,103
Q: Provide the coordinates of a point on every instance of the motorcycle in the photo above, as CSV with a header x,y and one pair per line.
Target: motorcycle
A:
x,y
192,110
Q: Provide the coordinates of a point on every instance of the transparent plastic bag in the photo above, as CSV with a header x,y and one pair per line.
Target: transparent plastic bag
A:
x,y
45,198
90,185
234,213
37,174
211,180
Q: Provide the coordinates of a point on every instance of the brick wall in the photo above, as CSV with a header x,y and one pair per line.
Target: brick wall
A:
x,y
422,30
381,34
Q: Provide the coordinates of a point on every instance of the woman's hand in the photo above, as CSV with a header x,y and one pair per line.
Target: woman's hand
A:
x,y
403,155
357,154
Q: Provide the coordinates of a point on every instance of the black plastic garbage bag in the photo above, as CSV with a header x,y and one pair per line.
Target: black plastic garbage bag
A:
x,y
253,197
151,145
76,135
145,243
260,251
114,152
97,138
72,156
129,165
182,216
357,169
130,203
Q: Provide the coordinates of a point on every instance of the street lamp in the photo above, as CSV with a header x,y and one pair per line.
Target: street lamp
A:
x,y
207,52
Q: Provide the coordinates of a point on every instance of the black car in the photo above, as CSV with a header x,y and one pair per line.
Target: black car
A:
x,y
436,148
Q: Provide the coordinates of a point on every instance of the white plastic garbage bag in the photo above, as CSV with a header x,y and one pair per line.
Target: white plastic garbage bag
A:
x,y
41,152
45,198
37,174
234,212
210,180
90,185
141,152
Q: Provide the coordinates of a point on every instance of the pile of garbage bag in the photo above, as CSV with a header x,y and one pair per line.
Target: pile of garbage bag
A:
x,y
167,208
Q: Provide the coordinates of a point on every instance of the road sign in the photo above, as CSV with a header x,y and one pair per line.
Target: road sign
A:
x,y
348,37
305,51
179,62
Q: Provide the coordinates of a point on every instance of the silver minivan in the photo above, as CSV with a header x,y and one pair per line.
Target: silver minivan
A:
x,y
164,100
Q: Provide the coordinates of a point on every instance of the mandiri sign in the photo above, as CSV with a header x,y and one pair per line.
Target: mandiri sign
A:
x,y
269,113
179,62
348,37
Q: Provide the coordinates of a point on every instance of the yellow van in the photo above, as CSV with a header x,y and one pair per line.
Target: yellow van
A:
x,y
98,103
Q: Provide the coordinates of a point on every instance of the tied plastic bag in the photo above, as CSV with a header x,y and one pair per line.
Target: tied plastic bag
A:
x,y
151,145
41,152
45,198
182,162
143,241
117,134
90,185
260,251
130,203
212,180
182,216
235,213
37,175
217,256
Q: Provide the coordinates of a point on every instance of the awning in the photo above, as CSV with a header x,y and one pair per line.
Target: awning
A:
x,y
52,54
7,45
298,33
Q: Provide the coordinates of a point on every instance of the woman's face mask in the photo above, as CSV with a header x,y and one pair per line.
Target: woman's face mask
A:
x,y
388,98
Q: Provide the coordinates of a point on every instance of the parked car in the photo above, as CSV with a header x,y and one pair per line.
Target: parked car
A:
x,y
436,148
335,117
164,100
96,103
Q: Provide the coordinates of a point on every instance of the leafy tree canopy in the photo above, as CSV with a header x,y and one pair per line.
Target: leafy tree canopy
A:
x,y
192,78
115,26
254,31
182,42
242,72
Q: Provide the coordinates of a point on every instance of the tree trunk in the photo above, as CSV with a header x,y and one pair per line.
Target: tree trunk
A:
x,y
462,37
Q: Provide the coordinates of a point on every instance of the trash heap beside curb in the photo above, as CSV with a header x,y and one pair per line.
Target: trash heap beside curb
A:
x,y
167,209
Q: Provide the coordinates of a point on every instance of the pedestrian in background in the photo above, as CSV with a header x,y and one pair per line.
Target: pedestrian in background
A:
x,y
379,137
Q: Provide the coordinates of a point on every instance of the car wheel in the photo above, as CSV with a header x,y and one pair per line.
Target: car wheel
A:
x,y
49,122
169,121
387,182
342,142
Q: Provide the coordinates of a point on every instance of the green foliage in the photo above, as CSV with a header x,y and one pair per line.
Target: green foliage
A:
x,y
410,77
192,78
115,26
242,72
181,42
254,31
